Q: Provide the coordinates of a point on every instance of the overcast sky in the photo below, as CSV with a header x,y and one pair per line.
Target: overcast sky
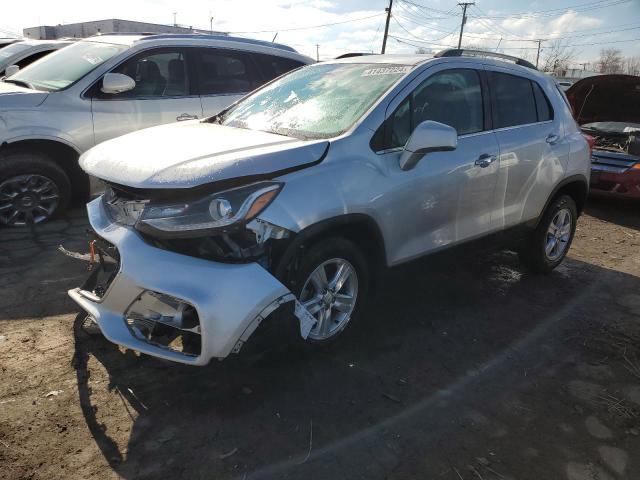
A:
x,y
432,24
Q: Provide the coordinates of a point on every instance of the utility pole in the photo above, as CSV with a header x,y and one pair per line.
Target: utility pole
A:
x,y
584,65
317,52
175,24
386,27
210,24
464,6
540,40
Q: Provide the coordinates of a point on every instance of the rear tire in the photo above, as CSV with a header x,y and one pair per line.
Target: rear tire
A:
x,y
33,188
548,245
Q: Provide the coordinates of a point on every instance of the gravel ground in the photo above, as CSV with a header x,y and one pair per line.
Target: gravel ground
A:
x,y
465,369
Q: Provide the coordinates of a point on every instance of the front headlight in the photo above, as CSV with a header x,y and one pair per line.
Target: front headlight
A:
x,y
216,211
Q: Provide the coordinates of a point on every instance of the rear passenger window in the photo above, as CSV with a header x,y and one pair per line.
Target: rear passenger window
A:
x,y
514,101
273,67
542,104
225,72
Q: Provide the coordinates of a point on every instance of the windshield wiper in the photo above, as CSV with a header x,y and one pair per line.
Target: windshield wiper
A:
x,y
20,83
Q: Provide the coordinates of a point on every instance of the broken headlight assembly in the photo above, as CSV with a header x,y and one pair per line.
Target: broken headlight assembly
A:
x,y
221,212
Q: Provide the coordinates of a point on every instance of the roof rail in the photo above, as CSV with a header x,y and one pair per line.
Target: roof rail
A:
x,y
221,37
459,52
101,34
352,54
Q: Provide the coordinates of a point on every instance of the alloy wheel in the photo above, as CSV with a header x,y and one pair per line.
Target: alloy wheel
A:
x,y
558,235
27,199
329,294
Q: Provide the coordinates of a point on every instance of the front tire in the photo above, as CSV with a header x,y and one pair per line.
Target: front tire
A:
x,y
33,188
331,280
546,248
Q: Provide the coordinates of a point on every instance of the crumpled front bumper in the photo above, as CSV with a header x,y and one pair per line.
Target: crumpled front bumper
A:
x,y
230,299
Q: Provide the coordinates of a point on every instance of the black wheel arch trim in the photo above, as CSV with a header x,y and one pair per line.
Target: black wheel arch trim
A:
x,y
324,228
578,178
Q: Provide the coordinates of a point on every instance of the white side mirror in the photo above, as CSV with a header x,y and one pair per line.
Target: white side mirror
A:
x,y
113,83
428,136
11,70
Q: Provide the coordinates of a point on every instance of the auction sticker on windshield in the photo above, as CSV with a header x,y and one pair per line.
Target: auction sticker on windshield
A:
x,y
386,71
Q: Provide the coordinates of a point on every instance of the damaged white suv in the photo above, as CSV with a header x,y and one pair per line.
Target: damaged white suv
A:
x,y
293,198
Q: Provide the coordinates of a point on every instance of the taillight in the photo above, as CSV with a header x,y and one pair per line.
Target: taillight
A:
x,y
636,166
590,140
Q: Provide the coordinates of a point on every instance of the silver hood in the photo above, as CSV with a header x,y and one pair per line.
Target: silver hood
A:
x,y
13,96
185,155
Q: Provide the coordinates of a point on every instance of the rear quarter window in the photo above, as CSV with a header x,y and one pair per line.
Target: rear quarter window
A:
x,y
272,66
543,106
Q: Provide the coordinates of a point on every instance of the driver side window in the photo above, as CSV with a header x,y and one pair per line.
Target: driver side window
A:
x,y
452,97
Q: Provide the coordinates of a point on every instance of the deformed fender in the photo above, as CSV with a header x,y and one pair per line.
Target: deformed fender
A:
x,y
228,298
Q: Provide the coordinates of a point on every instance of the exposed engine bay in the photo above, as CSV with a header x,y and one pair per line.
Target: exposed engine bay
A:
x,y
615,136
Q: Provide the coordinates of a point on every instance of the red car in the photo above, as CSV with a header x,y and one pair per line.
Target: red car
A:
x,y
607,107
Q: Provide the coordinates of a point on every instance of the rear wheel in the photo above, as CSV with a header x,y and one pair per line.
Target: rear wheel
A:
x,y
33,188
548,245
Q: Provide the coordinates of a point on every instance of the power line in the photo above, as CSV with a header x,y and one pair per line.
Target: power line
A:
x,y
374,36
450,13
578,44
423,25
309,27
419,38
417,13
561,11
408,42
488,22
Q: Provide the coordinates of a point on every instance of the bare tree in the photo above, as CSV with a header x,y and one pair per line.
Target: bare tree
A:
x,y
557,56
610,61
632,65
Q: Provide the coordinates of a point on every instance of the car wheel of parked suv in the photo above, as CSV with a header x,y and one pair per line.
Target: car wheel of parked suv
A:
x,y
550,242
33,188
331,281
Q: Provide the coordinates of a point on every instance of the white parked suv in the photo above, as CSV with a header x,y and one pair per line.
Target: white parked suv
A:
x,y
296,195
25,52
106,86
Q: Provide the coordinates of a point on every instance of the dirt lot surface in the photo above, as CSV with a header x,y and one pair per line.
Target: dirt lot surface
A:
x,y
466,369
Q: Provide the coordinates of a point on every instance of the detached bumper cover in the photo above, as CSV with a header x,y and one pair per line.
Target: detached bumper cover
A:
x,y
230,299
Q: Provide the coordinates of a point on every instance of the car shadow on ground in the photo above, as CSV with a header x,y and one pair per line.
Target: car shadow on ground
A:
x,y
623,212
34,275
440,334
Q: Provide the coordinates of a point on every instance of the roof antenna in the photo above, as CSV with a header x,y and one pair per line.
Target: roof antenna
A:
x,y
274,37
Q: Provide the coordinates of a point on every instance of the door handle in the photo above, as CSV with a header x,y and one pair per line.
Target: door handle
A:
x,y
186,116
485,160
552,138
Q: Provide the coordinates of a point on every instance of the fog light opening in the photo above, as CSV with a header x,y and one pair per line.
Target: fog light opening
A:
x,y
166,322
